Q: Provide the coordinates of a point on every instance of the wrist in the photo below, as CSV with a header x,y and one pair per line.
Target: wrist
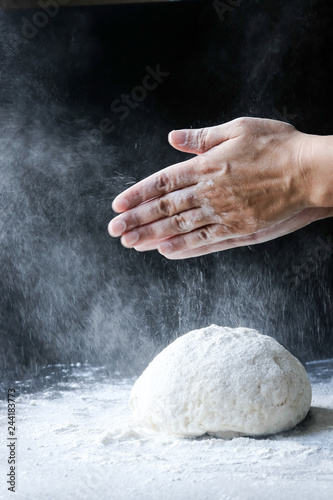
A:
x,y
316,166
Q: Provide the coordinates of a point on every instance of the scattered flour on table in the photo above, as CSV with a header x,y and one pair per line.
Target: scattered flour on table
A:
x,y
83,443
222,381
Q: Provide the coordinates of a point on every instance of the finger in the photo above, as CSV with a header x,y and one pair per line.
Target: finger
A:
x,y
207,249
169,226
149,245
282,228
151,211
205,235
173,178
199,140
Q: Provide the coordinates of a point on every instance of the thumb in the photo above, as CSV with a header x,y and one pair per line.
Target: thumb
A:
x,y
198,140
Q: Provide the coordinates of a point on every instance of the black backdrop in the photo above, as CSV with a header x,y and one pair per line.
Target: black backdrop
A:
x,y
68,291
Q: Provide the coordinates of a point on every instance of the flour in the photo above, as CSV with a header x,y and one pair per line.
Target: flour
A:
x,y
81,435
222,381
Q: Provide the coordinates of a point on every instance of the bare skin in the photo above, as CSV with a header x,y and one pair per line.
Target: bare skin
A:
x,y
252,180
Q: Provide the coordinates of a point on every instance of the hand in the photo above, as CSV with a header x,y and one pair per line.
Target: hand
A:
x,y
246,185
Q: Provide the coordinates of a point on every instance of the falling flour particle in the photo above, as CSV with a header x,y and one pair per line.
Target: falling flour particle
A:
x,y
222,381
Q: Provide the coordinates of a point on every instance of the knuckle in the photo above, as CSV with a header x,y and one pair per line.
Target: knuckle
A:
x,y
243,123
190,200
205,234
226,231
165,207
179,223
201,139
163,183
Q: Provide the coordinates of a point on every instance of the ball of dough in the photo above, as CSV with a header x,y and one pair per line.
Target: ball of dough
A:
x,y
222,381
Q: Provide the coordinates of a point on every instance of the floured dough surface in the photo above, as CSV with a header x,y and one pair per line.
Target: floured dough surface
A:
x,y
222,381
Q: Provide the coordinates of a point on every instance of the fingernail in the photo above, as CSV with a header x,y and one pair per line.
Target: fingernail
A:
x,y
117,227
178,137
143,249
131,238
120,205
165,248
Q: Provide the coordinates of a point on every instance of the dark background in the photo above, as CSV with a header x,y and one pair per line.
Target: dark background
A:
x,y
69,292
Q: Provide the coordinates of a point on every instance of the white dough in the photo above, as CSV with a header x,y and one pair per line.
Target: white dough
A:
x,y
222,381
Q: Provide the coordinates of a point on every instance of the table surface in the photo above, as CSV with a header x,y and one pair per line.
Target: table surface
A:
x,y
76,440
